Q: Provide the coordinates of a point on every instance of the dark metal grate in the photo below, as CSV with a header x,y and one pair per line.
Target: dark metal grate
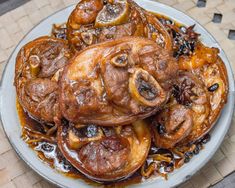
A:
x,y
231,34
217,18
201,3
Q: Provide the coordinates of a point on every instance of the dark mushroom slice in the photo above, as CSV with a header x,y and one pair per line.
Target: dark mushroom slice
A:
x,y
112,157
105,85
177,122
38,67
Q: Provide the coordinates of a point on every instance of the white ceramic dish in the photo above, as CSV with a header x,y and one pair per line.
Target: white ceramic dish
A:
x,y
12,127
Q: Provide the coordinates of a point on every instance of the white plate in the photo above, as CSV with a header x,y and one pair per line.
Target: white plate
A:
x,y
12,126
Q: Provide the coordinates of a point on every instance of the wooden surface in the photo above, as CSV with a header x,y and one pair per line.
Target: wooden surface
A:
x,y
16,23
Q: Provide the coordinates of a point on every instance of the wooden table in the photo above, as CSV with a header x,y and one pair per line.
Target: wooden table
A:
x,y
16,23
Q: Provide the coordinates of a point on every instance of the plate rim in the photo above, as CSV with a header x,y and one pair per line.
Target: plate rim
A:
x,y
231,92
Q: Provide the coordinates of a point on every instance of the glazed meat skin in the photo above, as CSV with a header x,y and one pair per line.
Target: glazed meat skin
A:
x,y
95,21
118,94
172,125
116,82
105,156
110,154
206,65
38,67
186,119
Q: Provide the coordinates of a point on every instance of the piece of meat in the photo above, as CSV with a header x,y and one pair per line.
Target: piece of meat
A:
x,y
191,92
93,21
115,32
38,68
52,56
187,118
206,65
172,125
111,83
115,155
85,13
106,155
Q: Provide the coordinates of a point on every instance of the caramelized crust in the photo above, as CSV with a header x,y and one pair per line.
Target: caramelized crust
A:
x,y
93,21
128,65
206,64
172,125
37,71
118,154
96,89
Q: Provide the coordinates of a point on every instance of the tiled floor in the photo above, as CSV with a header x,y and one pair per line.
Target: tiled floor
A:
x,y
7,5
228,182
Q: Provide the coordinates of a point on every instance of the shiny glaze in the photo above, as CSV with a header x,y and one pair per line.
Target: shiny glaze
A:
x,y
49,153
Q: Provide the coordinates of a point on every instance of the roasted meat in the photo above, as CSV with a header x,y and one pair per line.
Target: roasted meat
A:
x,y
38,67
116,82
206,64
172,125
111,153
118,91
186,118
94,21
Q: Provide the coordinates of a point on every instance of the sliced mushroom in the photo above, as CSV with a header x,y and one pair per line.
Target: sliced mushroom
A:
x,y
113,14
145,89
177,122
79,137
